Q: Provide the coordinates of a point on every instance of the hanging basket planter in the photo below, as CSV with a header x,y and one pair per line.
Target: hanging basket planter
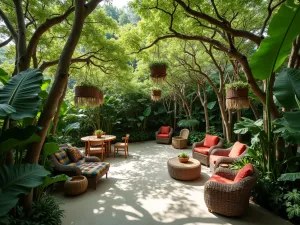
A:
x,y
237,96
156,95
158,71
88,96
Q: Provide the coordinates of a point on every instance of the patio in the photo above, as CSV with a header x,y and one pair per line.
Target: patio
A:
x,y
139,190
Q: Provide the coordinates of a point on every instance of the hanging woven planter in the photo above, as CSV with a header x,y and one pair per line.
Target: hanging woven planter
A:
x,y
156,95
158,71
237,96
88,96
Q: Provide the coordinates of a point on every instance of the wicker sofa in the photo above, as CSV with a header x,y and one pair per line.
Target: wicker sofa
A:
x,y
227,156
164,137
229,198
202,153
90,167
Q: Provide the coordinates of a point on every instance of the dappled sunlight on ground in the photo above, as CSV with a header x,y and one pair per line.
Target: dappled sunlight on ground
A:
x,y
139,190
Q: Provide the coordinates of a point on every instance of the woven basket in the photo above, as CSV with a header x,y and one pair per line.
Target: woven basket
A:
x,y
77,185
158,73
156,95
88,96
237,98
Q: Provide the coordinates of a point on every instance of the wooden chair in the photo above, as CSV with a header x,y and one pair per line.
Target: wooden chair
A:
x,y
122,146
96,147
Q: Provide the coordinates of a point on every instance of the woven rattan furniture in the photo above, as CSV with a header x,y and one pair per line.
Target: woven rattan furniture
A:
x,y
222,156
204,158
181,141
81,168
229,199
76,185
162,138
184,171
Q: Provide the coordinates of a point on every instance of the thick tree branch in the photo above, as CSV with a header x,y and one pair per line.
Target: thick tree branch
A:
x,y
9,25
43,28
224,26
6,42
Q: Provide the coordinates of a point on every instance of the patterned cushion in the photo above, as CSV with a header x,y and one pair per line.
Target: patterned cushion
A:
x,y
74,154
62,157
77,163
93,169
202,150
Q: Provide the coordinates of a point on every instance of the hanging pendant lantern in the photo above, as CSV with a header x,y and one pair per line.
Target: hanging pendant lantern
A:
x,y
156,95
237,96
88,96
158,71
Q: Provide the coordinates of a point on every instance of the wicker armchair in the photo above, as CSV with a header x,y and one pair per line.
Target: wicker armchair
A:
x,y
222,156
229,199
204,158
164,138
181,141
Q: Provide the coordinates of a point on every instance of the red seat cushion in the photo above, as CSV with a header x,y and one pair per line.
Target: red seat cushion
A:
x,y
210,140
246,171
220,179
237,149
213,158
163,136
202,150
165,130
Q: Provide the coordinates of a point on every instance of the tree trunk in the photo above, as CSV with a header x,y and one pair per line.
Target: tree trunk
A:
x,y
175,113
56,117
238,118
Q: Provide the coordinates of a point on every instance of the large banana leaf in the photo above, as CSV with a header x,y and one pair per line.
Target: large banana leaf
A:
x,y
283,30
287,88
16,180
21,92
18,137
6,110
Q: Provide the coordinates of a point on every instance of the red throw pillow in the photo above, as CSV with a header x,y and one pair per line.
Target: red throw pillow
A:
x,y
246,171
237,149
165,130
210,140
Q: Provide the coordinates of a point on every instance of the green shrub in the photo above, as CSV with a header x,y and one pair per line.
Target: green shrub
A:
x,y
137,136
45,211
237,85
196,136
183,155
158,63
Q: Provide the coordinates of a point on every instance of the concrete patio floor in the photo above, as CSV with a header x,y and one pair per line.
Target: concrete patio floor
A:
x,y
140,191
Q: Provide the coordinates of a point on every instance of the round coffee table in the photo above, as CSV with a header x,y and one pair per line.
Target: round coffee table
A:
x,y
184,171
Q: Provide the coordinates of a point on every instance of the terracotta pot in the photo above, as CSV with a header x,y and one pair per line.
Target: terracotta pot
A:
x,y
183,160
88,96
98,135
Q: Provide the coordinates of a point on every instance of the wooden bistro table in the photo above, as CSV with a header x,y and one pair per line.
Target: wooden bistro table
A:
x,y
106,138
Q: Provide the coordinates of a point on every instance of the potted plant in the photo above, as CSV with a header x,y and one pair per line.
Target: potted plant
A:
x,y
87,94
158,70
237,95
98,133
183,158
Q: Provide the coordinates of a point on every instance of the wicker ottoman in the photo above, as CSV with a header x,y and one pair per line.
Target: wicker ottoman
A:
x,y
179,142
184,171
77,185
